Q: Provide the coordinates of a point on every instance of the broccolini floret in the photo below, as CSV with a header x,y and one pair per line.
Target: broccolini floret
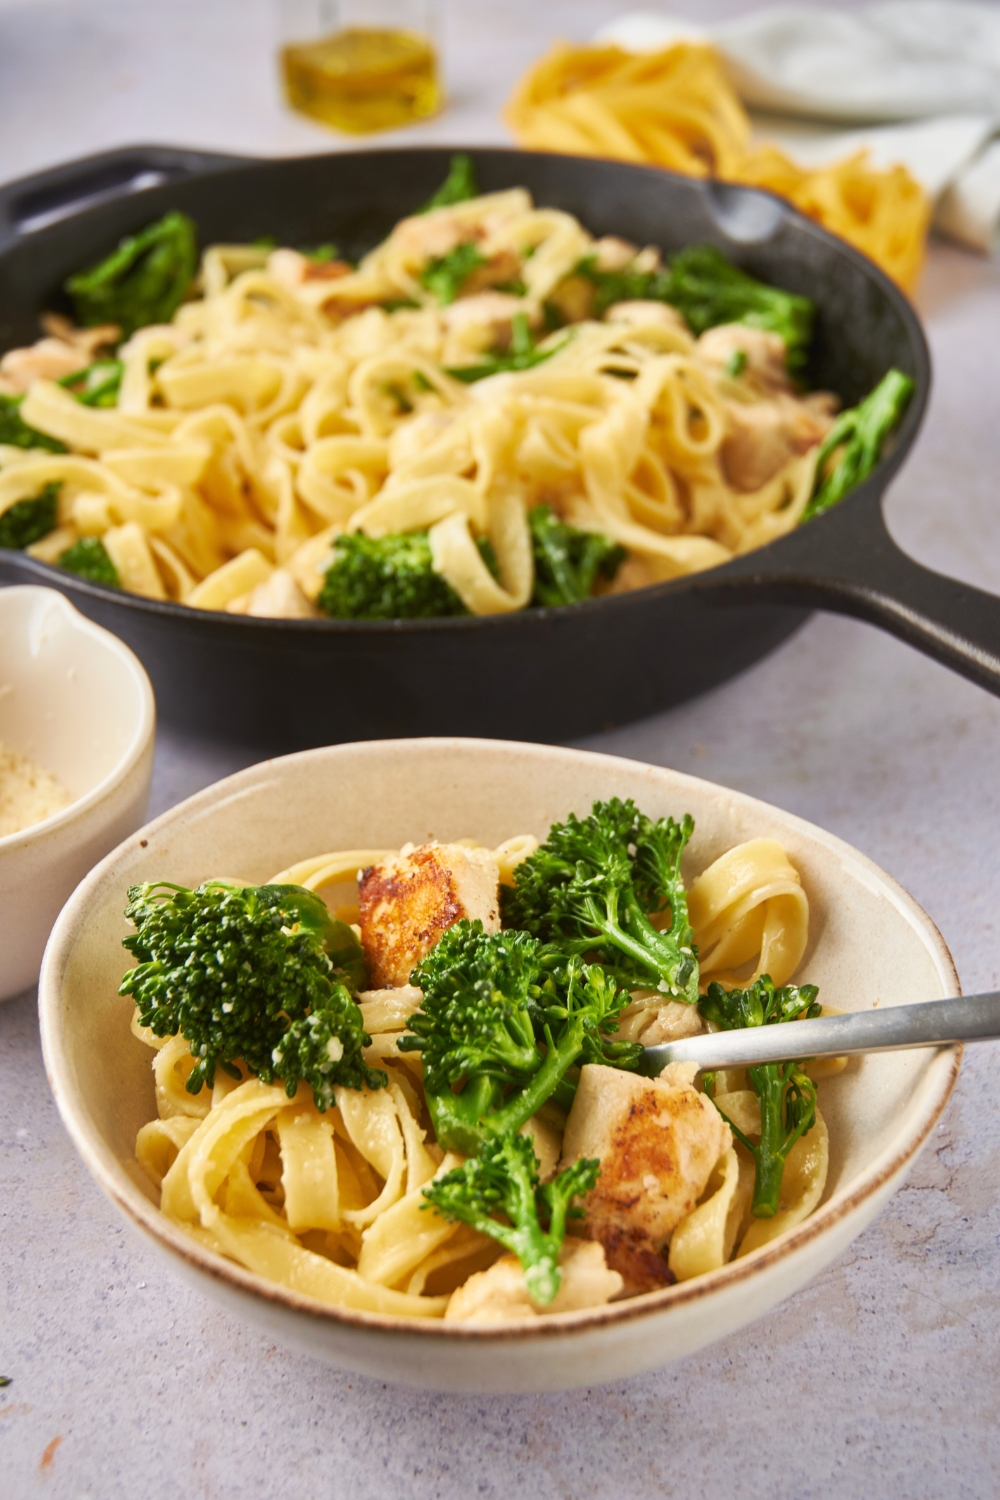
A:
x,y
144,281
88,558
503,1179
258,974
502,1021
15,432
27,521
594,886
390,578
386,578
858,437
568,562
786,1093
707,289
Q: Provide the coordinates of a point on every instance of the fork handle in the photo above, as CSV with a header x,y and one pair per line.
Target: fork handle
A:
x,y
933,1023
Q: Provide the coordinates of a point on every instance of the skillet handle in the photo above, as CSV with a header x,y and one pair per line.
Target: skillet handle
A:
x,y
848,563
33,202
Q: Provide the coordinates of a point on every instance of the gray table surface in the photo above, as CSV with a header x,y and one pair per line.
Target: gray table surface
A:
x,y
884,1374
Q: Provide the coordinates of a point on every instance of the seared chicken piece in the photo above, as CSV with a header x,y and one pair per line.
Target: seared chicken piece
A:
x,y
657,1140
483,321
547,1145
639,313
430,236
650,1023
49,359
503,267
90,341
764,352
63,351
499,1294
764,435
410,899
293,269
613,254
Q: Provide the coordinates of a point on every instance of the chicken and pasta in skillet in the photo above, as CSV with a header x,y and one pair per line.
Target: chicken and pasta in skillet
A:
x,y
492,411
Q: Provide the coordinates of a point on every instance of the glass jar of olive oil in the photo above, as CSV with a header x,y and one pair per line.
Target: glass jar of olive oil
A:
x,y
360,65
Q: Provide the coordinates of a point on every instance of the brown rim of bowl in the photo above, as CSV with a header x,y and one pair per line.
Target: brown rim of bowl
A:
x,y
147,1217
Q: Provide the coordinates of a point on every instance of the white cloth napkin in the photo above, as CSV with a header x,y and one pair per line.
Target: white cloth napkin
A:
x,y
917,81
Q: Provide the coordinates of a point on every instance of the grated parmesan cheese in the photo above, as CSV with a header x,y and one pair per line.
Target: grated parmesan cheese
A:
x,y
27,792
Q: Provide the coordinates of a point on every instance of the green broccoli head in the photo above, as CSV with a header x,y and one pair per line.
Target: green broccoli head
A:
x,y
503,1180
15,432
476,1015
763,1004
386,578
585,1000
502,1021
594,886
144,281
261,974
786,1093
325,1049
27,521
569,562
88,558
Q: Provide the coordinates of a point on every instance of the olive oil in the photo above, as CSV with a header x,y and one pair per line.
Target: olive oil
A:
x,y
363,79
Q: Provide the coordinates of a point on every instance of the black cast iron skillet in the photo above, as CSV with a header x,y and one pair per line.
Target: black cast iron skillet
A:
x,y
549,674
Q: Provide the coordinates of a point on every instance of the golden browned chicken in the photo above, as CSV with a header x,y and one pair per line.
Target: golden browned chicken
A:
x,y
410,899
657,1140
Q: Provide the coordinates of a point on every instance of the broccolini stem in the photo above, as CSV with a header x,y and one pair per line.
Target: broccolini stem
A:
x,y
457,1118
652,950
458,187
861,432
770,1152
520,1107
532,1246
463,1122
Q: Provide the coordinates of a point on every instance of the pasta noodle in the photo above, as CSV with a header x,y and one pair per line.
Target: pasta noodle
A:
x,y
750,902
331,1203
292,403
676,109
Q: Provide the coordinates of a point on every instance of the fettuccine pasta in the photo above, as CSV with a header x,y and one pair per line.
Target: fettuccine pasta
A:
x,y
463,375
676,109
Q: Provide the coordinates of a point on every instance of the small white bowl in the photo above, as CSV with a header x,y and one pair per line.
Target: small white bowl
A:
x,y
74,700
869,944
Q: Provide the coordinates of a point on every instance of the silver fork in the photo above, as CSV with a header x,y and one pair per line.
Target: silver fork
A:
x,y
934,1023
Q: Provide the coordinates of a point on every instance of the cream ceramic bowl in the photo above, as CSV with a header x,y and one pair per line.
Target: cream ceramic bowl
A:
x,y
870,944
75,700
